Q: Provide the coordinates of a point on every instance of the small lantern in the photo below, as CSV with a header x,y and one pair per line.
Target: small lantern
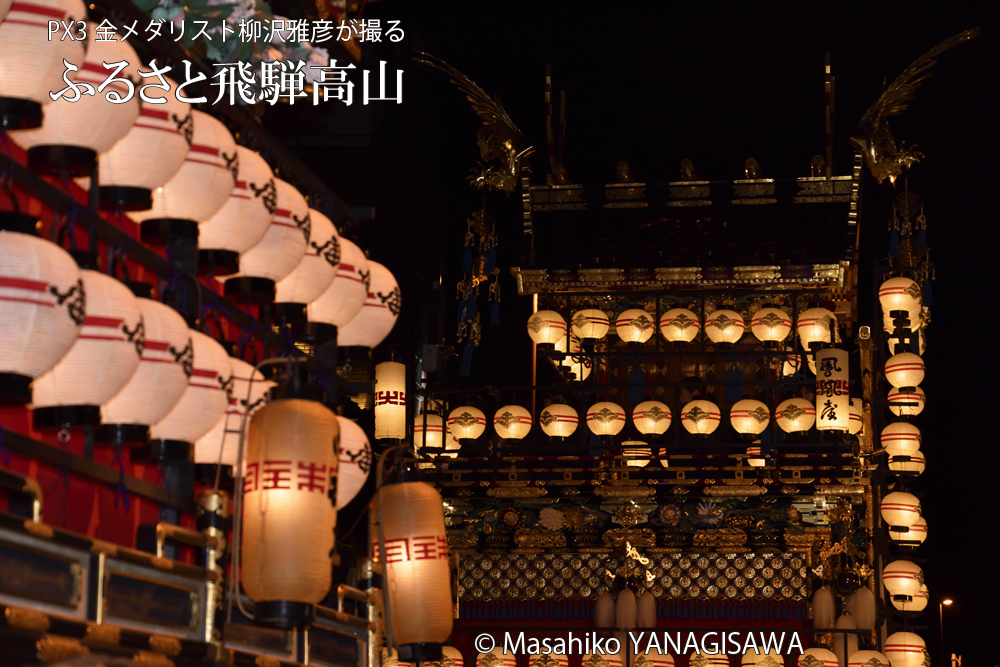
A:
x,y
832,390
814,326
679,325
579,364
651,418
544,660
317,270
347,293
901,439
512,422
906,649
771,325
378,315
700,417
917,603
902,579
900,294
390,401
855,423
590,323
909,464
416,567
636,453
914,535
907,404
431,435
220,446
635,326
817,657
791,365
795,415
454,657
606,418
698,659
867,659
546,327
498,658
749,417
601,659
724,326
558,420
904,370
355,460
754,454
769,659
289,510
900,509
466,423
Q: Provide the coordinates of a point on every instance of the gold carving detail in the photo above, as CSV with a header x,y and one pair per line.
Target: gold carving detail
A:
x,y
165,645
107,635
150,659
53,649
525,537
26,619
508,492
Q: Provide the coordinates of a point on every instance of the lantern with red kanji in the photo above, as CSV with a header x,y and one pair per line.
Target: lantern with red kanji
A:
x,y
833,400
390,401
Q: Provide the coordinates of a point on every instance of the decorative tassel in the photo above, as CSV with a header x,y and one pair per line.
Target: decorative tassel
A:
x,y
625,610
604,611
646,611
466,369
861,604
824,608
893,244
845,622
922,239
491,260
467,259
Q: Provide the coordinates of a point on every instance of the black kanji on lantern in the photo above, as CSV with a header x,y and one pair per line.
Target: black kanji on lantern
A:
x,y
329,250
304,223
136,336
185,357
393,300
75,299
268,194
185,126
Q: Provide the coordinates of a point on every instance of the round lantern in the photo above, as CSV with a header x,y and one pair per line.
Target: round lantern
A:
x,y
546,327
390,400
606,418
814,326
749,417
452,657
199,188
833,401
221,445
635,326
101,361
416,567
512,422
242,221
74,132
499,658
289,510
791,365
378,315
544,660
606,659
431,435
906,649
908,403
590,323
724,326
317,270
900,294
347,293
855,423
651,418
579,364
679,325
817,657
917,603
466,423
698,659
867,659
636,454
901,439
42,308
158,383
915,534
203,403
900,509
771,325
909,464
904,370
147,156
795,415
558,420
700,417
902,578
355,461
31,64
763,659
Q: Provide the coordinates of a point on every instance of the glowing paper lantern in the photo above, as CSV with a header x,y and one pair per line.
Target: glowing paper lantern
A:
x,y
558,420
603,659
698,659
512,422
390,400
73,133
496,658
917,603
900,294
749,417
855,423
101,361
901,439
795,415
906,649
817,657
590,323
579,364
700,417
679,325
431,435
455,656
763,659
791,365
636,455
635,326
347,293
910,464
771,325
814,326
543,660
220,446
651,418
724,326
902,578
907,404
900,509
243,220
904,370
916,533
546,327
378,315
867,659
833,401
606,418
355,461
289,510
416,566
42,308
318,267
466,423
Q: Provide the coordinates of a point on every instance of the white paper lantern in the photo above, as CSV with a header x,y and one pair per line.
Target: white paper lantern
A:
x,y
204,182
698,659
206,398
763,659
635,326
749,417
700,417
466,423
546,327
453,655
910,464
795,415
771,325
603,659
512,422
284,243
817,657
497,658
355,461
636,454
901,439
724,326
855,424
904,370
914,535
917,603
390,400
318,268
679,325
347,293
579,364
814,327
590,323
378,315
42,308
900,509
103,358
900,294
246,216
163,372
907,404
92,122
558,420
651,417
431,435
867,659
906,649
543,660
606,418
221,445
833,400
902,578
